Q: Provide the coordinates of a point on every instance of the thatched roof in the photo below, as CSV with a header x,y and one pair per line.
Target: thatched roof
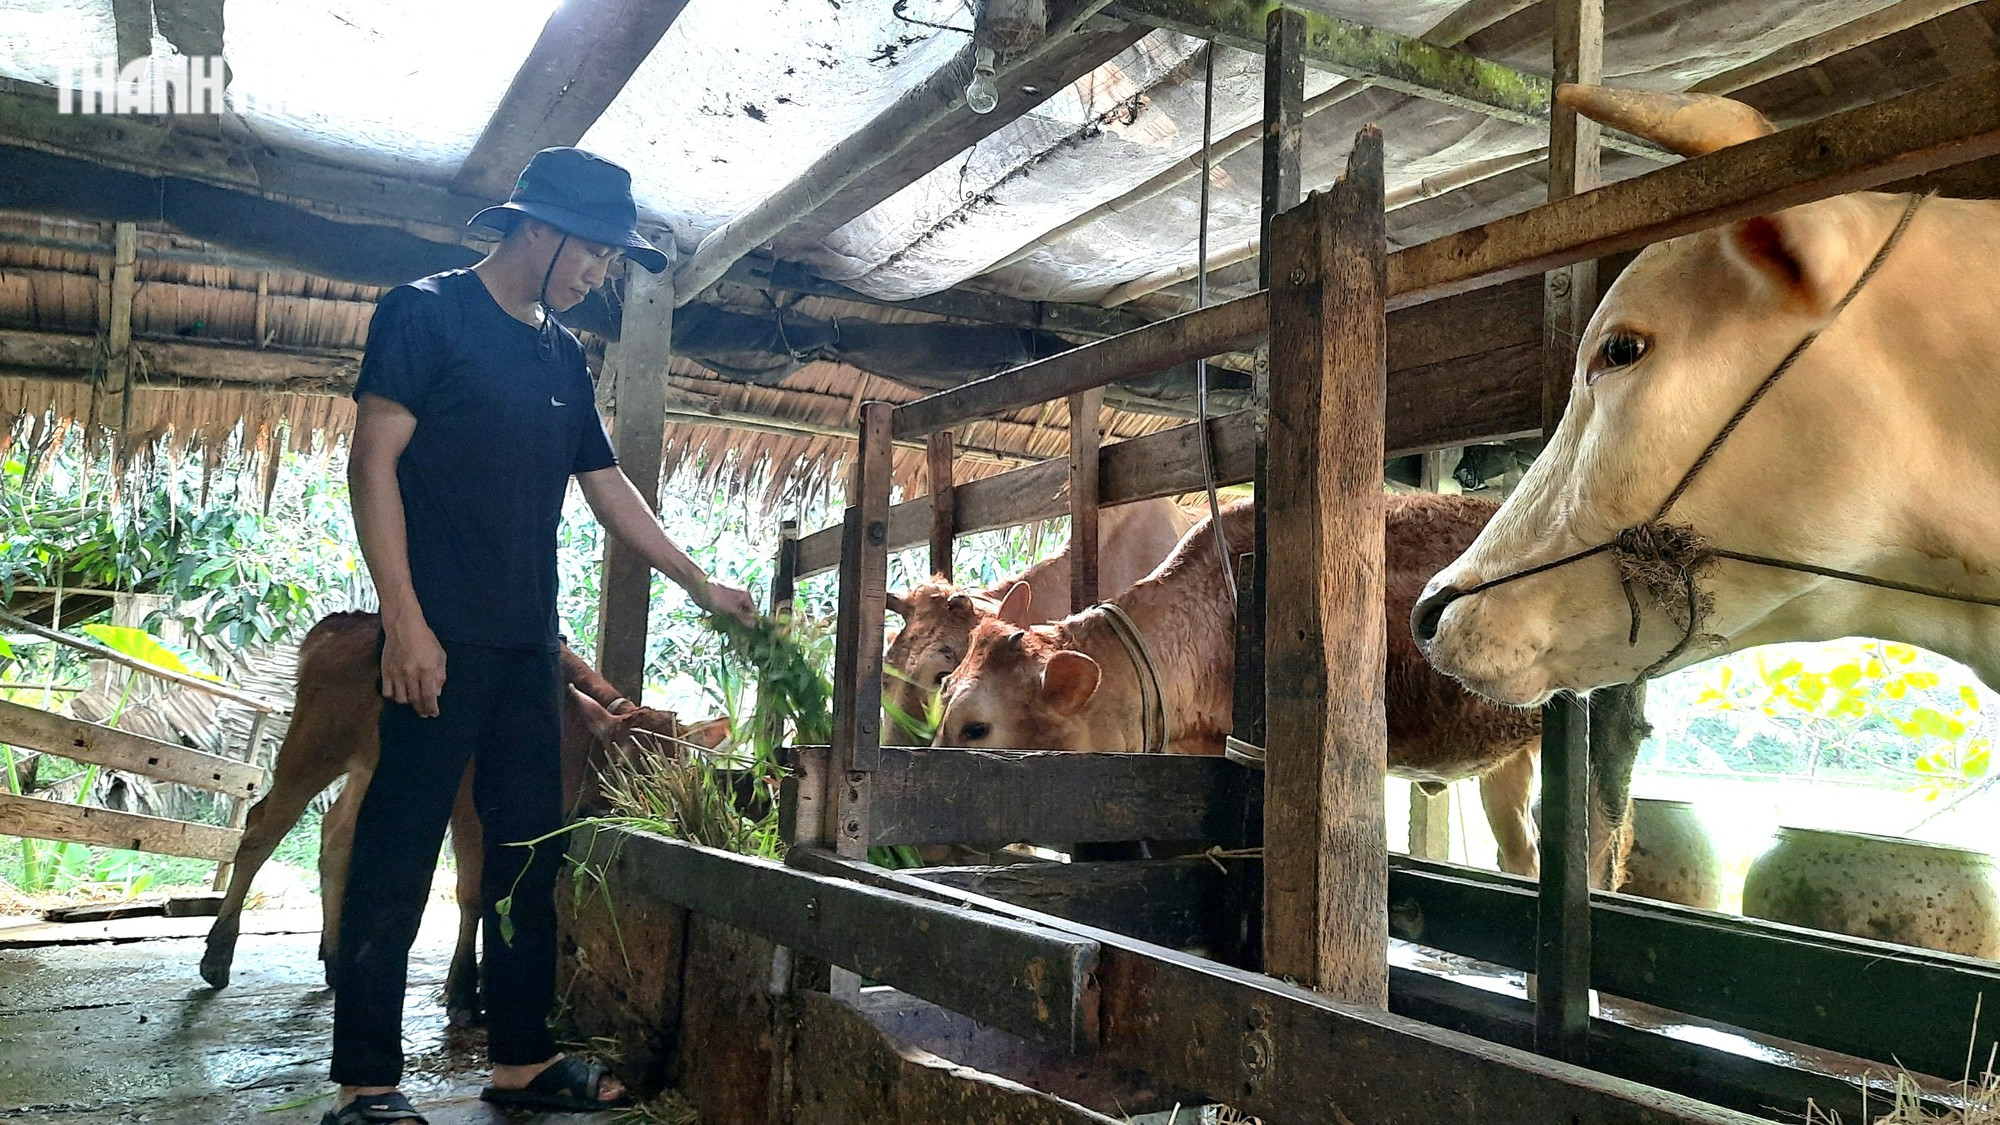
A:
x,y
207,386
847,228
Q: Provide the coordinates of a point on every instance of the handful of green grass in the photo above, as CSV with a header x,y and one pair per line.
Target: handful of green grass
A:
x,y
790,686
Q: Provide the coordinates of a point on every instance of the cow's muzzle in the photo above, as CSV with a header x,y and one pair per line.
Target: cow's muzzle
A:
x,y
1429,612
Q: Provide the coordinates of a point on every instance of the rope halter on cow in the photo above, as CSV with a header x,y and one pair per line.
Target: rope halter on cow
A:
x,y
1153,731
1668,560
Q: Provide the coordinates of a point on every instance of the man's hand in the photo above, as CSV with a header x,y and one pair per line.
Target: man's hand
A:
x,y
732,601
413,668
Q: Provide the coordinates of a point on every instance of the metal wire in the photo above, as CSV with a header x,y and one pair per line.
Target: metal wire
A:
x,y
1201,302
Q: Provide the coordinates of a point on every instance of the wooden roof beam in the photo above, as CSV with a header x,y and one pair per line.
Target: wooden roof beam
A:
x,y
1395,62
133,22
1900,16
763,272
925,127
1471,18
586,54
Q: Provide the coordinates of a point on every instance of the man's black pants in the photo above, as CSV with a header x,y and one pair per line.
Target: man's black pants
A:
x,y
499,709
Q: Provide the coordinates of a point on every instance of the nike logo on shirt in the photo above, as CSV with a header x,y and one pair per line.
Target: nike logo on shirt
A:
x,y
553,402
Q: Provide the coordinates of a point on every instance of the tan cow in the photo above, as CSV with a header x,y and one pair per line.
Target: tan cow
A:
x,y
333,733
939,617
1878,452
1073,685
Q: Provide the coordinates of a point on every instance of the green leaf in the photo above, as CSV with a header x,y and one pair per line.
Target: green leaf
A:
x,y
1977,760
143,647
1788,670
505,909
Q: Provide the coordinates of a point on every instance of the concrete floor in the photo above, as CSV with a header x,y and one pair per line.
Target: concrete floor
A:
x,y
117,1026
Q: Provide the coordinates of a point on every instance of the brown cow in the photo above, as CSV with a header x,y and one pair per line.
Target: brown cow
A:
x,y
939,617
1071,685
333,733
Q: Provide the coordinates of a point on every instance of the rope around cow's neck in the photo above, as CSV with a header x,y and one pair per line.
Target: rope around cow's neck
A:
x,y
1670,558
1154,732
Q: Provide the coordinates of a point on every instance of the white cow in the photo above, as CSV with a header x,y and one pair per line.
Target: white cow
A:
x,y
1878,452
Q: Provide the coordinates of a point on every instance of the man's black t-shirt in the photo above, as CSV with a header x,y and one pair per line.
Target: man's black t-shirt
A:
x,y
501,426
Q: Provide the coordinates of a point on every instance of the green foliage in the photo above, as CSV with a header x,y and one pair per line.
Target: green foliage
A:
x,y
924,726
233,570
786,655
1857,707
143,646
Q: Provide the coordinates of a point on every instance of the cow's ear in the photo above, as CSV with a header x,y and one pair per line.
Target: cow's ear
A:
x,y
1016,607
898,604
1806,256
1069,680
601,721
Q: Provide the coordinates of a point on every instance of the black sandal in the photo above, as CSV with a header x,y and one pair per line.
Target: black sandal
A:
x,y
567,1085
368,1110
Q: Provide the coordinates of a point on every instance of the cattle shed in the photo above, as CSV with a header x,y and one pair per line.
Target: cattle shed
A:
x,y
1367,226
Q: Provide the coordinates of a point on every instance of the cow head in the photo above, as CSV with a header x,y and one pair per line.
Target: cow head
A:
x,y
615,732
938,620
1021,687
1690,328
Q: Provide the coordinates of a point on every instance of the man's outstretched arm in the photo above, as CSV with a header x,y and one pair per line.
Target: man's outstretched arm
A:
x,y
620,508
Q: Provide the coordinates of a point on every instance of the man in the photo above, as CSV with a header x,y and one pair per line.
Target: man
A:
x,y
474,411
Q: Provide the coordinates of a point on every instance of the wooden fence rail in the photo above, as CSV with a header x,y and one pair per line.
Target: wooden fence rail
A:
x,y
75,739
50,820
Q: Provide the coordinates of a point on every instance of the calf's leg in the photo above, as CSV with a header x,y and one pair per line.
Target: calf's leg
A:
x,y
336,848
1507,791
461,985
299,776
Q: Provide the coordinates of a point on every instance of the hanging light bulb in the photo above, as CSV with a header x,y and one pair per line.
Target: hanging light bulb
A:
x,y
982,95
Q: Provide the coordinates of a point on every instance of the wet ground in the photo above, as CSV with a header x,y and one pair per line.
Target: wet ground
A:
x,y
117,1026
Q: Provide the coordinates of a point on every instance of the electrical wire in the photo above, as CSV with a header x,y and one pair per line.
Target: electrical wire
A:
x,y
1201,302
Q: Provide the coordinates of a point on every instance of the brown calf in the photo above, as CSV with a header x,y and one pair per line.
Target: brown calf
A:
x,y
1071,685
939,617
333,733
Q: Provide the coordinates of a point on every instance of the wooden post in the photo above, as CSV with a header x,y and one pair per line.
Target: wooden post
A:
x,y
263,312
1570,294
1284,124
1562,947
132,21
1325,857
784,589
125,259
857,688
637,368
785,568
1562,920
1430,823
938,454
1085,417
118,334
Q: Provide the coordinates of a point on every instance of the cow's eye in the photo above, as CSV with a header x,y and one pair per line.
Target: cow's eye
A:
x,y
1618,351
975,732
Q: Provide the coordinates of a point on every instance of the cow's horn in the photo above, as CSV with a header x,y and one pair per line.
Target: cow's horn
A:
x,y
1689,124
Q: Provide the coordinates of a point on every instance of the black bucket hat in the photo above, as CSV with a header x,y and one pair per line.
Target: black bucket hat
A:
x,y
580,194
